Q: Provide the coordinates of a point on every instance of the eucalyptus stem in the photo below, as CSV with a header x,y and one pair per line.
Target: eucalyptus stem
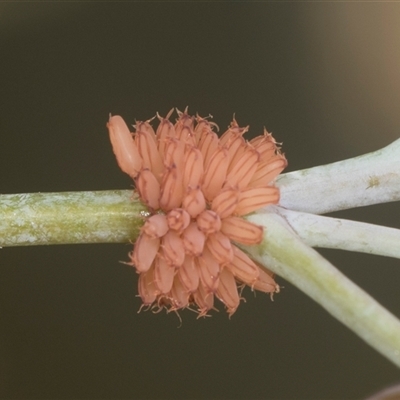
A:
x,y
283,252
116,216
343,234
70,217
372,178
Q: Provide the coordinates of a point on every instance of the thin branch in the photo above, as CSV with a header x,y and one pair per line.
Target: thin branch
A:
x,y
283,252
361,181
335,233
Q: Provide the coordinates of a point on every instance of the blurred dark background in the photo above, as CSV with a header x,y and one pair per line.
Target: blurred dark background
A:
x,y
323,77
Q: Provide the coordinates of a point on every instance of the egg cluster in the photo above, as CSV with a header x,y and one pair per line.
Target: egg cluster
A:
x,y
197,187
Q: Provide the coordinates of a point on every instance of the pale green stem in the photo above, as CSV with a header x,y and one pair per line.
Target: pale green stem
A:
x,y
343,234
372,178
70,217
283,252
114,216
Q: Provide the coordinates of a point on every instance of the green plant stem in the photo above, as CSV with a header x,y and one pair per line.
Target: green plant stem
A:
x,y
343,234
372,178
70,217
114,216
283,252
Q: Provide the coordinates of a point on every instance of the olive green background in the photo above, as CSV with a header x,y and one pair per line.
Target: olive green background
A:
x,y
323,77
